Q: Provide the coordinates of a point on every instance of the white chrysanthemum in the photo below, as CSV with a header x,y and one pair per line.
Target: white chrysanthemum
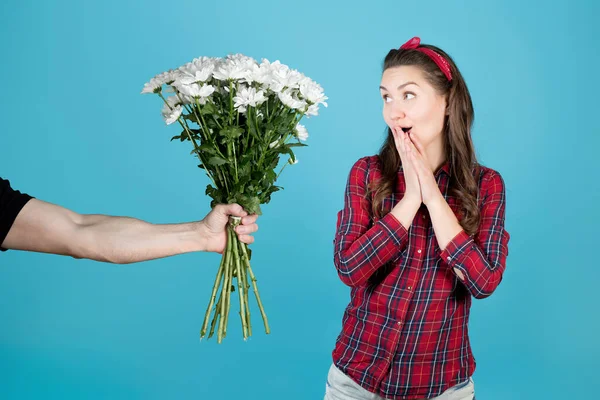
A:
x,y
301,132
277,76
240,58
191,90
291,101
312,91
248,97
235,67
294,78
193,73
261,73
280,71
152,86
173,101
184,99
204,61
171,112
195,90
274,144
313,110
156,83
206,90
169,76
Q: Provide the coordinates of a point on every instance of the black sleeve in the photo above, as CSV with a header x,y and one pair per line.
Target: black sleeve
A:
x,y
11,203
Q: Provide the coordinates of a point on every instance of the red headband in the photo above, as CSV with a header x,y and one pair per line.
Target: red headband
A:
x,y
413,44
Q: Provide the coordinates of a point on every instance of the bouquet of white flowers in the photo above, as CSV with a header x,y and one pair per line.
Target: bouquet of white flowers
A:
x,y
240,116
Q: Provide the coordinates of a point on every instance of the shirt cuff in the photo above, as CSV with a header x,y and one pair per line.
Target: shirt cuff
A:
x,y
457,249
393,228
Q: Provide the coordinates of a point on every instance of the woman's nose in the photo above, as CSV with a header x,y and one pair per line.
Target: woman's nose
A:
x,y
398,113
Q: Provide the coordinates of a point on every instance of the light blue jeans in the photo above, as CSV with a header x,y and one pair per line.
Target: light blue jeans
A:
x,y
341,387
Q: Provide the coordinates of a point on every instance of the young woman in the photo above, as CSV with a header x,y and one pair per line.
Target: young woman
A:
x,y
421,233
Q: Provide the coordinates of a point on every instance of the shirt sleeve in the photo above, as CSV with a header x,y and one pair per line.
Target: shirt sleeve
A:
x,y
11,203
482,259
360,249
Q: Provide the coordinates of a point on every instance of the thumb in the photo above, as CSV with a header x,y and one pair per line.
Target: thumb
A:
x,y
233,209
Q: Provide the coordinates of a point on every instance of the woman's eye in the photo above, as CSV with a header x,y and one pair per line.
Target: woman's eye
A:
x,y
386,98
409,96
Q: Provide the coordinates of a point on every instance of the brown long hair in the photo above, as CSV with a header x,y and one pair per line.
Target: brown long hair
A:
x,y
458,144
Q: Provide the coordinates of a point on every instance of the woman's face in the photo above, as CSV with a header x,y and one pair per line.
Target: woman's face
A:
x,y
411,103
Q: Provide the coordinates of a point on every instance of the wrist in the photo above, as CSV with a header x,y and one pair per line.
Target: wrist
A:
x,y
199,236
411,202
405,210
436,202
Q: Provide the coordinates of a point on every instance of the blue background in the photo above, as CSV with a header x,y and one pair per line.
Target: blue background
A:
x,y
76,132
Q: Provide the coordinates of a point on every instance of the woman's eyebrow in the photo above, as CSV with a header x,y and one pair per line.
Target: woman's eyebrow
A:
x,y
401,86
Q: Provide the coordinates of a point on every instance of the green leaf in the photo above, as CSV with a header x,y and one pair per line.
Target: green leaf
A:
x,y
191,117
288,150
271,175
185,136
216,161
230,134
250,203
208,108
244,171
207,148
215,194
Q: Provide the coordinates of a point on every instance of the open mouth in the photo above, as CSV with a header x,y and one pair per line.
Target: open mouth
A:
x,y
406,130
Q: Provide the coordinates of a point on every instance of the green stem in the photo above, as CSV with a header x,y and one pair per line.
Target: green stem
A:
x,y
187,131
230,284
256,122
255,287
204,129
213,324
230,101
235,163
224,179
277,177
246,290
206,132
217,122
240,278
213,295
224,295
267,104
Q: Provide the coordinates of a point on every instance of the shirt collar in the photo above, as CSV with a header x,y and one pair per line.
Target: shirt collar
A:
x,y
445,168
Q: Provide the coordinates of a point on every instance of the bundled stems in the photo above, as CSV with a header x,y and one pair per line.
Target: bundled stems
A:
x,y
235,263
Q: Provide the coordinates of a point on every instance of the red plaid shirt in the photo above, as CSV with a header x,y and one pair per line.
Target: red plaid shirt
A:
x,y
405,331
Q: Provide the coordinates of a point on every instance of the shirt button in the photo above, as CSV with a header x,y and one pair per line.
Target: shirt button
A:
x,y
409,288
448,258
419,251
399,323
